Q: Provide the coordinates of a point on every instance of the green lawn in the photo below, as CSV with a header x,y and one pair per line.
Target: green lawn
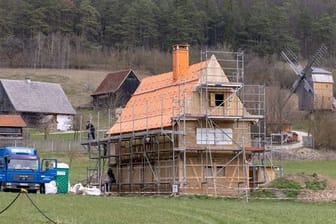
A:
x,y
327,168
75,209
64,135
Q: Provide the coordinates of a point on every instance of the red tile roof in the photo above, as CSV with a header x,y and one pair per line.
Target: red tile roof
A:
x,y
112,82
12,121
152,105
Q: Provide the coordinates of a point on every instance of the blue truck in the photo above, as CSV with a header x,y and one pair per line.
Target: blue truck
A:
x,y
21,167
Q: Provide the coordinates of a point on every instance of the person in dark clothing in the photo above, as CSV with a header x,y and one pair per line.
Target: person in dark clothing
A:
x,y
111,179
91,130
105,149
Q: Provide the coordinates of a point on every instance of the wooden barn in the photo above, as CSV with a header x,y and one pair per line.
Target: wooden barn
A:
x,y
187,132
323,85
115,90
38,103
11,130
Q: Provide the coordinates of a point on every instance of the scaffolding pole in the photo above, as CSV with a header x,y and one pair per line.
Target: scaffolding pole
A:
x,y
154,161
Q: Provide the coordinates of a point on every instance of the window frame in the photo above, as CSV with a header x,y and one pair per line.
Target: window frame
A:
x,y
217,136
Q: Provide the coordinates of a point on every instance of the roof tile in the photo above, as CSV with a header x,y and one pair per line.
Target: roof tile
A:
x,y
152,105
11,121
37,97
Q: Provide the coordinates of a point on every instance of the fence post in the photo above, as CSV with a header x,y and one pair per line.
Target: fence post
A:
x,y
98,118
80,128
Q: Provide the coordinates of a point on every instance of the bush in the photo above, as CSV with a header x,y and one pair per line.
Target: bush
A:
x,y
316,185
262,193
289,187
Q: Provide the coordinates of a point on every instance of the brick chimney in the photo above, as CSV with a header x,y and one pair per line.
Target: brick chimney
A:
x,y
180,61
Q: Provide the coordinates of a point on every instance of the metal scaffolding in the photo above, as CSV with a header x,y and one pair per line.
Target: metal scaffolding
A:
x,y
185,158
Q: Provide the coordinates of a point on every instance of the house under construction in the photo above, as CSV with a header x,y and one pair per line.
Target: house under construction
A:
x,y
195,130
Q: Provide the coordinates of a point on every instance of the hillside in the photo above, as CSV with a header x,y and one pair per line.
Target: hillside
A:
x,y
77,84
86,33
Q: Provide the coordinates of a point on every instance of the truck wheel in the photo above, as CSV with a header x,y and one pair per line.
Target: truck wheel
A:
x,y
42,189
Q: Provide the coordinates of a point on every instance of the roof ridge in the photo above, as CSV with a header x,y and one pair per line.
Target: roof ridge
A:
x,y
167,86
25,80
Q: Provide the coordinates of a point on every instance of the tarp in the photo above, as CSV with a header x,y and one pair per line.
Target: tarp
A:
x,y
80,189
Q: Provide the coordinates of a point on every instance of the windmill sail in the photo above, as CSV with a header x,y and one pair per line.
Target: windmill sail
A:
x,y
292,61
316,59
303,85
307,86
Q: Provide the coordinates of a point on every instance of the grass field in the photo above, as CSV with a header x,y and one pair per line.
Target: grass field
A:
x,y
73,209
327,168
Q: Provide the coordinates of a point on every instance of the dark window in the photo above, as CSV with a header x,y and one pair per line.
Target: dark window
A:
x,y
220,171
2,163
10,130
219,100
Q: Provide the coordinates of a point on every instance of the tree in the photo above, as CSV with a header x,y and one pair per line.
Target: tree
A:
x,y
323,128
6,18
305,32
324,30
280,110
96,27
183,24
10,47
111,13
87,24
139,27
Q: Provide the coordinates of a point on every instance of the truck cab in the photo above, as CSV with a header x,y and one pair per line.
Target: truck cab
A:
x,y
21,167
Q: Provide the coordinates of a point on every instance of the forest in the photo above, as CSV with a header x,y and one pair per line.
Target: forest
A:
x,y
139,34
115,33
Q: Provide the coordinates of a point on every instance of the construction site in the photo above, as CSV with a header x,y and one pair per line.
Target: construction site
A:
x,y
195,130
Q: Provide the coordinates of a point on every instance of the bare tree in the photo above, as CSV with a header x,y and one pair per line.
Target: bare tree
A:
x,y
281,107
323,129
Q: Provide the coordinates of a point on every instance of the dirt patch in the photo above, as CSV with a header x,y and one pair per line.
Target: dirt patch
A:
x,y
303,153
326,194
317,196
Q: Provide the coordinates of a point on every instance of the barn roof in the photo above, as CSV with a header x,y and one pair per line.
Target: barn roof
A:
x,y
37,97
112,82
152,104
12,121
318,70
324,78
321,75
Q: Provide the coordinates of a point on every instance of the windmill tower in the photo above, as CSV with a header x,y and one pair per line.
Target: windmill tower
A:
x,y
314,86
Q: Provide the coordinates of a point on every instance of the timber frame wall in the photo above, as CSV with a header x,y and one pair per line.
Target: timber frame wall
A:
x,y
168,160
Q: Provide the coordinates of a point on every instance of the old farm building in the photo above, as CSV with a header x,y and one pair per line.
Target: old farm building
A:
x,y
115,90
189,132
36,102
11,130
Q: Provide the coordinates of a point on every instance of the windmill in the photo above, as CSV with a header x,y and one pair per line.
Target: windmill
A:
x,y
304,84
